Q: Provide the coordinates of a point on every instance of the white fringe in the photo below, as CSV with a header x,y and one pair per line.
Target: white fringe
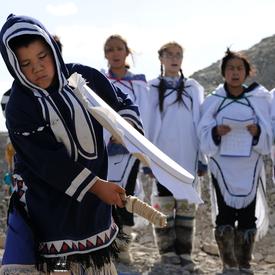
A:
x,y
107,269
261,211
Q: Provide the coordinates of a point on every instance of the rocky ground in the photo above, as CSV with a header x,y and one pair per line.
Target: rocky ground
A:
x,y
146,257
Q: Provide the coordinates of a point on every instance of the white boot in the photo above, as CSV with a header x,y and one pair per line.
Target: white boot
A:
x,y
165,237
185,228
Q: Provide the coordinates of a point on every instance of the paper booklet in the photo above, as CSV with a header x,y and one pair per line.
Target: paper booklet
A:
x,y
238,142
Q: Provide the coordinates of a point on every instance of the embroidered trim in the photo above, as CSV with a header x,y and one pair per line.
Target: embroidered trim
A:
x,y
70,247
85,190
39,129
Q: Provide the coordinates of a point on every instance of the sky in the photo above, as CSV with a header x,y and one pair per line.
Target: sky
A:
x,y
205,28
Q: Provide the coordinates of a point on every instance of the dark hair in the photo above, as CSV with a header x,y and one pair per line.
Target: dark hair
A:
x,y
162,86
56,38
24,40
231,55
119,37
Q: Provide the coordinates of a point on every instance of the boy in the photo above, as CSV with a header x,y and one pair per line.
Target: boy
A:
x,y
61,160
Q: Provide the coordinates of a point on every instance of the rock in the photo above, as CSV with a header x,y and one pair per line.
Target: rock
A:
x,y
271,250
2,241
210,248
270,259
258,256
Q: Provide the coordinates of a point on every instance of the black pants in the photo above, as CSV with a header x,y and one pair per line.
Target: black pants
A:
x,y
245,217
162,190
125,217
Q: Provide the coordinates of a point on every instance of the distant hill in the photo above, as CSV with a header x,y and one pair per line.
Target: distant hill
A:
x,y
261,55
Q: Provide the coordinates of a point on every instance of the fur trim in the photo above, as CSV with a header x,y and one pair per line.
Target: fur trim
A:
x,y
96,260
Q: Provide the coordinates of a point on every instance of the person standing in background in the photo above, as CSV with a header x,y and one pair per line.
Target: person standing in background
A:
x,y
175,104
123,167
235,132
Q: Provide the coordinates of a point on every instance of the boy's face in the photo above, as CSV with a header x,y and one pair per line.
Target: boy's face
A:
x,y
37,63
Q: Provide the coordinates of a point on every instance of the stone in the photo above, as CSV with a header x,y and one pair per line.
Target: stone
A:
x,y
270,259
2,241
210,248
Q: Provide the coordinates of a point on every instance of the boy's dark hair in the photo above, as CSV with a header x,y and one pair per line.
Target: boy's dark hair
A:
x,y
58,42
24,40
230,55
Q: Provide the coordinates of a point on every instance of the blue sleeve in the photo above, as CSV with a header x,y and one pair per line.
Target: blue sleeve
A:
x,y
39,156
46,160
112,95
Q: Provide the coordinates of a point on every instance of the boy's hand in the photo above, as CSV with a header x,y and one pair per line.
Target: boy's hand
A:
x,y
109,192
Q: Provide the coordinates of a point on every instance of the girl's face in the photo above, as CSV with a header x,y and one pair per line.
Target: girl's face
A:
x,y
37,64
116,53
171,59
235,73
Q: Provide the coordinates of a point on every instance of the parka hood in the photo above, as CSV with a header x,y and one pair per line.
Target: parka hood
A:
x,y
21,25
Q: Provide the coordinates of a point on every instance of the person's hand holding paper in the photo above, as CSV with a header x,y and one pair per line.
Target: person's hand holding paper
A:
x,y
238,141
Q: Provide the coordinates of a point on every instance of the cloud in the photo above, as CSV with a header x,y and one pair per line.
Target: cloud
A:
x,y
64,9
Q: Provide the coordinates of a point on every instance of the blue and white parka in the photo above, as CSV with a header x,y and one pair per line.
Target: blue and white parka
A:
x,y
60,151
121,162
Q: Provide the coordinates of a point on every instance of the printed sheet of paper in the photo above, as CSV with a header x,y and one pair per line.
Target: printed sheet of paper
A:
x,y
238,141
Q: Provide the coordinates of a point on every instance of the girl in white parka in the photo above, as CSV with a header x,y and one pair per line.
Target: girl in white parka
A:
x,y
235,132
175,104
123,167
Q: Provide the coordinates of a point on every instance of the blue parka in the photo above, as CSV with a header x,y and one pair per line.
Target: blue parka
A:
x,y
60,150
